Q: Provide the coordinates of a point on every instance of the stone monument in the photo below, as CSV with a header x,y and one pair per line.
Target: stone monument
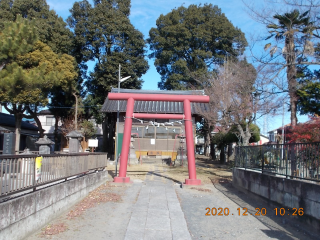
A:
x,y
8,143
44,145
75,138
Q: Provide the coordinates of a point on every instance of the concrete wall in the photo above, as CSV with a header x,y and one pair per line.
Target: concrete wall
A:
x,y
22,216
290,193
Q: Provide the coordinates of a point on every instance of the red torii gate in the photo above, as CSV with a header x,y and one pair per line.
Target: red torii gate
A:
x,y
186,99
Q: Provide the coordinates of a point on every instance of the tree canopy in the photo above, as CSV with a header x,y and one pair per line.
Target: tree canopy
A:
x,y
104,34
309,98
192,39
51,28
30,70
16,38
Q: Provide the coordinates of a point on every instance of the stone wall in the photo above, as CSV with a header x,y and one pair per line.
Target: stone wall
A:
x,y
290,193
22,216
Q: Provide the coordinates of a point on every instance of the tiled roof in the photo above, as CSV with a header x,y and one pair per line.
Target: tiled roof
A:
x,y
45,112
154,106
9,120
3,129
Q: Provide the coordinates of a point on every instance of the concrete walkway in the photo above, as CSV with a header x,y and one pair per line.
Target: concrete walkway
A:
x,y
157,213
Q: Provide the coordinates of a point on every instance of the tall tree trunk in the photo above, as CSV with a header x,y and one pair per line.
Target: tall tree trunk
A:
x,y
108,134
33,114
212,151
292,77
57,141
222,154
229,151
18,120
207,141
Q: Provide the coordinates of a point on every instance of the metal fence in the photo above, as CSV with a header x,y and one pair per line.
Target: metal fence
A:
x,y
297,160
23,172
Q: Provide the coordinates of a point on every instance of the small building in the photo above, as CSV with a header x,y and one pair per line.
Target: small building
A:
x,y
29,132
275,136
159,137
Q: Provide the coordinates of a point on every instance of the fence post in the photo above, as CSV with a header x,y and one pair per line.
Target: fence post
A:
x,y
34,174
287,161
245,158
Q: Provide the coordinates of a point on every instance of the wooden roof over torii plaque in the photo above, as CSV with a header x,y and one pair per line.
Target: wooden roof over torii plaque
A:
x,y
154,106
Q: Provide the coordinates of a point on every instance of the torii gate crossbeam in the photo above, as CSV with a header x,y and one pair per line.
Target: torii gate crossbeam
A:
x,y
186,99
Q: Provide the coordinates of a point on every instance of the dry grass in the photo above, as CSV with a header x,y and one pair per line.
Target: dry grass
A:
x,y
201,189
104,193
100,195
54,229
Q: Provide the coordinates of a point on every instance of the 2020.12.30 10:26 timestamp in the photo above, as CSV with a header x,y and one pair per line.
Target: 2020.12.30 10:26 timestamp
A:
x,y
258,212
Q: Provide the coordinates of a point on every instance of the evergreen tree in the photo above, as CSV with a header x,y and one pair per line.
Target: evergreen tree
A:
x,y
53,31
31,69
309,98
192,39
51,28
17,38
103,34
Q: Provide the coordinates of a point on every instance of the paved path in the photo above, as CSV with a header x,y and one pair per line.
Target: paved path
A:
x,y
158,208
157,213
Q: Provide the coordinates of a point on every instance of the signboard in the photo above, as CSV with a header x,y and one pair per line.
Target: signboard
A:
x,y
93,142
38,168
153,141
8,143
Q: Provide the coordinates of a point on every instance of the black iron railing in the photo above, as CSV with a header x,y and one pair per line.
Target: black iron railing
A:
x,y
296,160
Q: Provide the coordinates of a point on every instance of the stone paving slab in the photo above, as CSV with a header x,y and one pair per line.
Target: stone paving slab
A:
x,y
165,219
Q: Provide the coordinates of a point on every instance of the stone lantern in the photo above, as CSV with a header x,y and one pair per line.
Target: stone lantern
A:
x,y
75,138
44,145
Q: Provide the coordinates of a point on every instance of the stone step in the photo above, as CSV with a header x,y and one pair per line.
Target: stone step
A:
x,y
151,160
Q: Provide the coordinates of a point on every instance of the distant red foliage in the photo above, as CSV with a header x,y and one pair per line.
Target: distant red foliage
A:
x,y
306,132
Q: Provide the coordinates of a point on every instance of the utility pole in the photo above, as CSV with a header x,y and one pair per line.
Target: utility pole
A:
x,y
117,126
283,124
120,80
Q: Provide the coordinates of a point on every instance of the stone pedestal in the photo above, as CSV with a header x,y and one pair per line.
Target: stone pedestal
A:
x,y
44,145
75,138
132,154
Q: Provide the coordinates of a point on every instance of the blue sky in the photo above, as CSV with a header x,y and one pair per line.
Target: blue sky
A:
x,y
144,14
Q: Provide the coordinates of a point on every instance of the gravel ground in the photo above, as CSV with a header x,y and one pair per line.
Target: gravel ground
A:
x,y
222,195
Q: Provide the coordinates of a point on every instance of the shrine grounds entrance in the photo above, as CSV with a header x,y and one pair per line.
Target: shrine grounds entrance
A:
x,y
186,117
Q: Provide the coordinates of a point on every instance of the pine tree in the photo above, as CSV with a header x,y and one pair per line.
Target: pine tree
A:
x,y
29,70
51,28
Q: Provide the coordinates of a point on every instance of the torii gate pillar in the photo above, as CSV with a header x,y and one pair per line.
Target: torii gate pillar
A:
x,y
186,99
